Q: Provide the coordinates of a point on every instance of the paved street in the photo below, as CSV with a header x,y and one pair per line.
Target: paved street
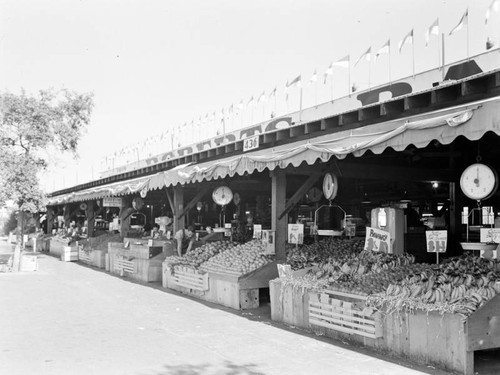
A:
x,y
66,318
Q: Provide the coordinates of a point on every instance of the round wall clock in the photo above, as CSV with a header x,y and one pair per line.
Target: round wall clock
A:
x,y
479,181
222,195
314,194
330,186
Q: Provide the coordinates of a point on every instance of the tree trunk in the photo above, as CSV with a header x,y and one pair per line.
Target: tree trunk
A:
x,y
16,263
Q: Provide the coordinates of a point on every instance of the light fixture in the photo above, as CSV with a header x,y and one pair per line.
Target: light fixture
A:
x,y
366,199
405,198
435,184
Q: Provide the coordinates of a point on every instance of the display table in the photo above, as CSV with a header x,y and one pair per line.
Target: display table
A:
x,y
136,259
237,292
446,341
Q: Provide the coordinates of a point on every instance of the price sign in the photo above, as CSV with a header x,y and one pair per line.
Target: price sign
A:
x,y
296,233
350,230
436,241
489,235
251,143
112,202
377,240
257,231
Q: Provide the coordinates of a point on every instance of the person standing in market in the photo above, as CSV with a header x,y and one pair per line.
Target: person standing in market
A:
x,y
185,239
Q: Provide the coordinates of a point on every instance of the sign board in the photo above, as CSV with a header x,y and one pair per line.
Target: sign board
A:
x,y
112,202
296,233
284,271
268,241
489,235
257,231
377,240
436,241
350,230
251,143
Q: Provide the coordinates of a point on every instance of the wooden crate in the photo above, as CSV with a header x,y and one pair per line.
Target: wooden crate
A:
x,y
129,263
289,305
57,246
344,312
29,262
123,265
239,292
189,278
84,255
69,254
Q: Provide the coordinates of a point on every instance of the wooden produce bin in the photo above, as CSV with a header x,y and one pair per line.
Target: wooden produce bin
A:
x,y
57,246
92,255
138,261
447,341
185,280
289,305
239,292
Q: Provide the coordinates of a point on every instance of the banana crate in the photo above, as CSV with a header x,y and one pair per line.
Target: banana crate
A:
x,y
345,313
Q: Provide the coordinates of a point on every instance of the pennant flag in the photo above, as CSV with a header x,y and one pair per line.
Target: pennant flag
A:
x,y
432,30
408,39
367,56
490,43
251,102
272,94
463,22
240,106
386,48
262,97
328,72
343,62
314,77
494,7
295,82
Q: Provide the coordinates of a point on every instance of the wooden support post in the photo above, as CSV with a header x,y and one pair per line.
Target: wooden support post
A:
x,y
125,212
301,191
90,218
278,203
179,222
67,215
50,220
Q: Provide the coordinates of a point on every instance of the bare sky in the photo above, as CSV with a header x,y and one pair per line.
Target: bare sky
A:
x,y
156,64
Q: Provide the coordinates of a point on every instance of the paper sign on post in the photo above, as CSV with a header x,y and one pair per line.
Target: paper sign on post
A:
x,y
488,235
377,240
436,241
296,233
257,231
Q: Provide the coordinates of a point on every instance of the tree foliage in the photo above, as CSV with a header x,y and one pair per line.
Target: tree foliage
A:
x,y
30,124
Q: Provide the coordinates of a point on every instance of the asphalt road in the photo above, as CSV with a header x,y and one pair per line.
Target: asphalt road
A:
x,y
66,319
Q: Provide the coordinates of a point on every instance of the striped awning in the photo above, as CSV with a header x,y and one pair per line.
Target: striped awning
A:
x,y
471,121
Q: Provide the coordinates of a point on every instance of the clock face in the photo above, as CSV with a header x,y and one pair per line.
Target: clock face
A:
x,y
314,194
478,181
330,186
222,195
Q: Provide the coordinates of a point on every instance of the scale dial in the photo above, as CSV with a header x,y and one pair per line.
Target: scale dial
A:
x,y
478,181
314,194
330,186
222,195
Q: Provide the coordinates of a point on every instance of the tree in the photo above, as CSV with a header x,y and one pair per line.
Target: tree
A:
x,y
31,125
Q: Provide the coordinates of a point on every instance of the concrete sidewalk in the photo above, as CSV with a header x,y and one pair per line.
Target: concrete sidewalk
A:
x,y
71,319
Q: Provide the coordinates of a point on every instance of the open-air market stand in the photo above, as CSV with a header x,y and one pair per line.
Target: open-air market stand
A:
x,y
403,153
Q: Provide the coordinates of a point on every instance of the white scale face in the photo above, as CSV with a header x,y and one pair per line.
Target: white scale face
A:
x,y
478,181
330,186
222,195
